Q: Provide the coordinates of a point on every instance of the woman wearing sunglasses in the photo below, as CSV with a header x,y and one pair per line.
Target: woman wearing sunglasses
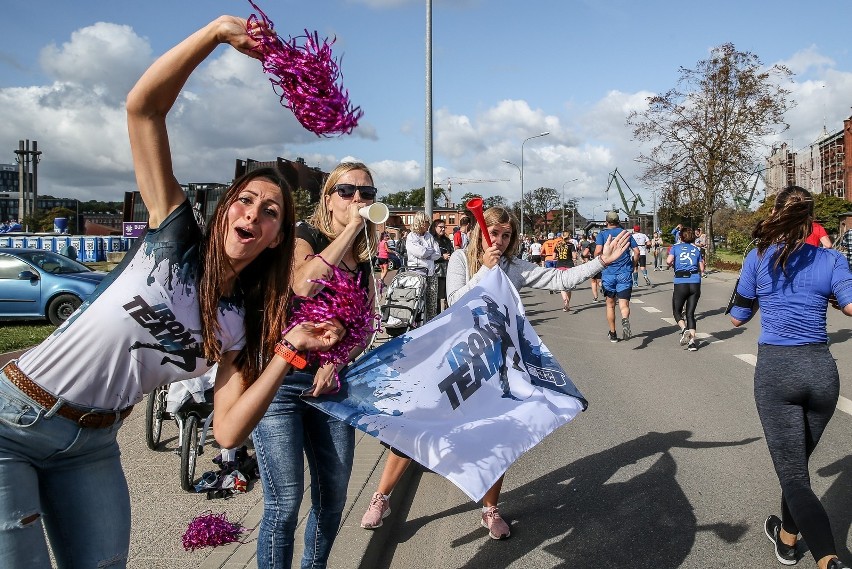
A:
x,y
291,428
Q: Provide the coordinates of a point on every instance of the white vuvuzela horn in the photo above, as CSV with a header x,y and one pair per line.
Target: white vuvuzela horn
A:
x,y
377,213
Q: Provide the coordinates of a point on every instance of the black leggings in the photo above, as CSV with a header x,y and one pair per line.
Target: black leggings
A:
x,y
686,294
796,390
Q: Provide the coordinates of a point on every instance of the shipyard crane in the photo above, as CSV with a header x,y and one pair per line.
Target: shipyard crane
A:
x,y
630,209
742,202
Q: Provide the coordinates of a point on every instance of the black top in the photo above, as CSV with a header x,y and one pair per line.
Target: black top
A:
x,y
318,242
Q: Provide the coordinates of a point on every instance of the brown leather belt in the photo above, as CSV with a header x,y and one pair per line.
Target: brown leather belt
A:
x,y
86,419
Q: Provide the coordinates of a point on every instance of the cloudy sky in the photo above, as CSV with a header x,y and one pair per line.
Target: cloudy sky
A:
x,y
503,70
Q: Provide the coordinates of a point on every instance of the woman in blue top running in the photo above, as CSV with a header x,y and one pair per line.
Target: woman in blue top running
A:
x,y
796,384
688,266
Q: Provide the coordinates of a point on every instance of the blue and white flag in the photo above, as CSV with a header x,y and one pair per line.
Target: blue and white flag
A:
x,y
466,394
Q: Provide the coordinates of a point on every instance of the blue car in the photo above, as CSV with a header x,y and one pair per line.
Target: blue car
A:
x,y
38,284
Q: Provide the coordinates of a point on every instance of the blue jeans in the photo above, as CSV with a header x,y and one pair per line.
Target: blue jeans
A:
x,y
64,476
290,430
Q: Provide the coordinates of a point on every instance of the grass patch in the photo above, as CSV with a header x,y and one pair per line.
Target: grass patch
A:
x,y
20,335
726,261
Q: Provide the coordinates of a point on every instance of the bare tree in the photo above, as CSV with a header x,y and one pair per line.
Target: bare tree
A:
x,y
537,204
711,129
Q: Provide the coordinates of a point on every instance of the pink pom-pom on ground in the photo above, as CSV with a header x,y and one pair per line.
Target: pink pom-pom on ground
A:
x,y
307,77
211,529
343,298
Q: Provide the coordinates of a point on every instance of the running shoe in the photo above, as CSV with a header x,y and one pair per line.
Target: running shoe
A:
x,y
692,346
378,510
647,281
565,307
785,554
625,329
837,564
497,528
684,337
613,337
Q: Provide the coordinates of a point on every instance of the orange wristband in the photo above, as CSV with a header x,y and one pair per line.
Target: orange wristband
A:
x,y
286,350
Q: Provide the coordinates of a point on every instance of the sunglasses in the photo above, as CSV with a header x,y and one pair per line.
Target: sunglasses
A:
x,y
347,191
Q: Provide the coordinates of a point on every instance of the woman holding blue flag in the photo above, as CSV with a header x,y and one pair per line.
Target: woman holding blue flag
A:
x,y
688,266
466,268
796,383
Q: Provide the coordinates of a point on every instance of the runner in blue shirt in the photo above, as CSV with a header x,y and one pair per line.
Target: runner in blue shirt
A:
x,y
688,266
796,382
617,277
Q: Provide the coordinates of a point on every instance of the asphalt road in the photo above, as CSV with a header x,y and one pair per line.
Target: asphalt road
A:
x,y
667,468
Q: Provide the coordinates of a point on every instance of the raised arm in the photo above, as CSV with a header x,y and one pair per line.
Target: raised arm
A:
x,y
153,96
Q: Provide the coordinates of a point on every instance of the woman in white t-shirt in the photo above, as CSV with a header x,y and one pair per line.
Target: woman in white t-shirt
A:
x,y
535,252
179,302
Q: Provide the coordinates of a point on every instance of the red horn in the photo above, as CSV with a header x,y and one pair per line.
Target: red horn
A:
x,y
475,207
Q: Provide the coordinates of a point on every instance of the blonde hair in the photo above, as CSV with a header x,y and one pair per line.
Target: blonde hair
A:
x,y
476,246
420,223
322,218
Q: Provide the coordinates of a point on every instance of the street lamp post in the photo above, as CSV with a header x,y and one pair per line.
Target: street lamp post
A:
x,y
573,207
522,174
655,219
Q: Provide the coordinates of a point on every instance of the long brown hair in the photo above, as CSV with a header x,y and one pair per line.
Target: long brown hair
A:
x,y
264,283
476,246
321,219
789,224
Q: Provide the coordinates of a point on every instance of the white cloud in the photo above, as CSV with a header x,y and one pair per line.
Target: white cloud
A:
x,y
105,57
808,60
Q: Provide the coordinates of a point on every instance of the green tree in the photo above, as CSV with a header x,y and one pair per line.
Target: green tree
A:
x,y
495,201
537,204
417,197
396,199
302,202
826,210
43,221
709,130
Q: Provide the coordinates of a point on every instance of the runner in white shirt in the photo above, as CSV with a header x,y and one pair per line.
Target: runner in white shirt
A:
x,y
535,252
642,241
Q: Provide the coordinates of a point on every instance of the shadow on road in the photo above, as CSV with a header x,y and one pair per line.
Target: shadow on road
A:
x,y
838,502
623,505
839,336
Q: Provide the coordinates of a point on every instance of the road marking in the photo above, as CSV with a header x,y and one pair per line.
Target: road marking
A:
x,y
750,359
708,337
637,301
671,321
843,404
651,309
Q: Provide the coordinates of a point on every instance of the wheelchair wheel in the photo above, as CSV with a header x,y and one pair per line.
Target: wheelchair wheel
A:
x,y
154,412
189,453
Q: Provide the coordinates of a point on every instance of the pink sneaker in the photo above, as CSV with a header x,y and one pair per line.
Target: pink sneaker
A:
x,y
379,509
497,528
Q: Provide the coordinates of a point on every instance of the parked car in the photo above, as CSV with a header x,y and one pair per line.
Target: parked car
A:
x,y
38,284
394,262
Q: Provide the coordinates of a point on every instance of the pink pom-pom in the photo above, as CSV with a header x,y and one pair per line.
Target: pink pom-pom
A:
x,y
211,529
307,76
343,298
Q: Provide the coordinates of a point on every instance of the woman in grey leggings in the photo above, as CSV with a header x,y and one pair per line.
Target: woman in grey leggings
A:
x,y
796,384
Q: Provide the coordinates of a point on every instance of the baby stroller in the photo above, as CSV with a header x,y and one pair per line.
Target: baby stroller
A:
x,y
190,404
404,303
